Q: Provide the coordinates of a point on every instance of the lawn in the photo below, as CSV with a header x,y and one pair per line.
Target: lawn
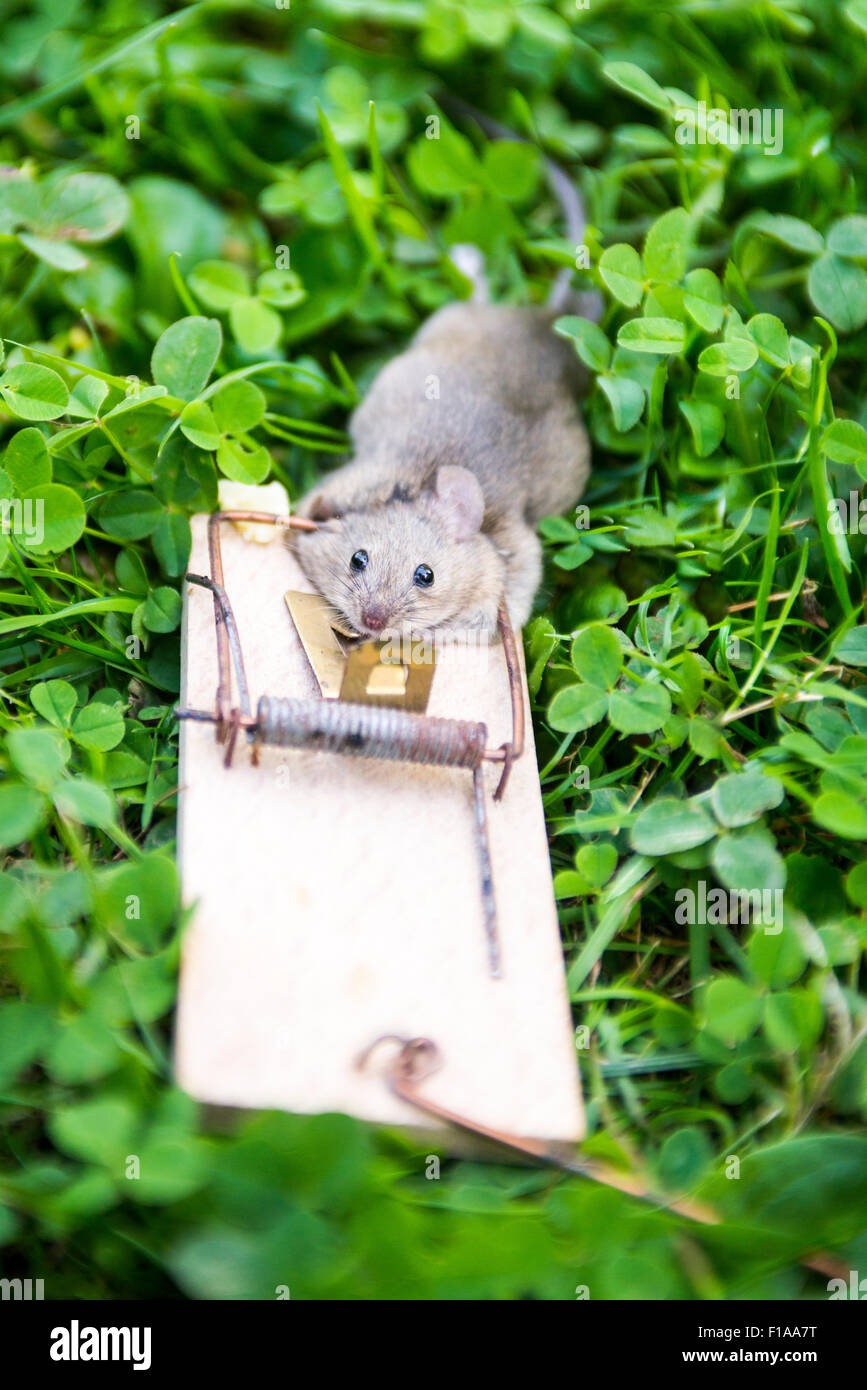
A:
x,y
216,223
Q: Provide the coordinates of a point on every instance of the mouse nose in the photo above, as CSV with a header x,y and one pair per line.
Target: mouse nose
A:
x,y
374,618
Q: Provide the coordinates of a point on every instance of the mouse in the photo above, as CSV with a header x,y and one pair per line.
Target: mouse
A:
x,y
462,443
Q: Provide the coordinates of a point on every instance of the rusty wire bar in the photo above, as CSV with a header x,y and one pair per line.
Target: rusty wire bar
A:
x,y
233,642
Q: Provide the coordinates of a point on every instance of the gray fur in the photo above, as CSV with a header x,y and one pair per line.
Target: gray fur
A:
x,y
506,421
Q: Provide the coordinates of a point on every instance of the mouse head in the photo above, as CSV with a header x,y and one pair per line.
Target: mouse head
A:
x,y
413,566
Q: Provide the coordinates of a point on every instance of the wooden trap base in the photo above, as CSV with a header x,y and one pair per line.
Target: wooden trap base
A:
x,y
338,898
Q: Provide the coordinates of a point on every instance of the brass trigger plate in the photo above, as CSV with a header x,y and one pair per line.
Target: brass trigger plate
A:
x,y
393,673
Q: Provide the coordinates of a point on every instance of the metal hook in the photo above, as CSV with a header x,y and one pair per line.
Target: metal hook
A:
x,y
404,1076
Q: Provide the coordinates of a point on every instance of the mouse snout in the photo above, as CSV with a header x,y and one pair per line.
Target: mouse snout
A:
x,y
375,617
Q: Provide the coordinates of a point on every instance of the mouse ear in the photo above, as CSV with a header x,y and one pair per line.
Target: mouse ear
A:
x,y
459,501
323,509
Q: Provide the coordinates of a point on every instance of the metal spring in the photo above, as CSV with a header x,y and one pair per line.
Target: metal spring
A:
x,y
369,731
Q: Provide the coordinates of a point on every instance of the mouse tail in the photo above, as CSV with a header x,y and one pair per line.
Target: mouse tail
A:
x,y
563,298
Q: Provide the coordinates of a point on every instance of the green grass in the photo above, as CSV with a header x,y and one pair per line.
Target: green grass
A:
x,y
267,226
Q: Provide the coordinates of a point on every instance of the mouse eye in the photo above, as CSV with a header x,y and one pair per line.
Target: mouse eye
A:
x,y
423,576
359,560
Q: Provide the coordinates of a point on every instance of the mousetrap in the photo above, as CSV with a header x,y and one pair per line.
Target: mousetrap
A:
x,y
361,832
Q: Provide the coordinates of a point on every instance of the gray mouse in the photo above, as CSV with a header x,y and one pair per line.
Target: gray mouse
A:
x,y
461,444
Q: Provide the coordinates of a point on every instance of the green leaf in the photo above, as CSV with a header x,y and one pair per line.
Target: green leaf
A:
x,y
25,1030
770,336
256,327
27,460
591,344
856,884
789,231
137,900
814,1187
85,801
842,814
282,289
638,84
626,399
130,572
748,861
54,700
218,284
845,441
568,884
544,25
199,425
793,1020
134,990
652,335
131,515
690,679
58,254
171,1168
83,207
649,528
96,1131
703,299
162,610
86,398
733,1009
184,356
98,726
39,755
577,707
444,166
705,737
513,168
243,465
684,1159
666,246
596,863
34,393
735,355
238,407
741,797
170,217
571,556
856,11
668,826
851,647
22,813
621,270
640,709
734,1084
838,290
172,541
848,237
59,516
707,425
598,656
777,957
